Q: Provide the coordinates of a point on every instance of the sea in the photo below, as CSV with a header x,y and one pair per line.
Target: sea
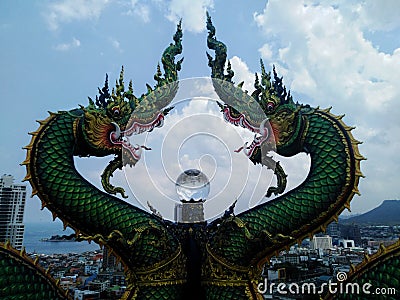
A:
x,y
36,232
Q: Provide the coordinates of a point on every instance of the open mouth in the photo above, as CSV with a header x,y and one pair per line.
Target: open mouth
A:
x,y
119,137
238,121
261,133
138,128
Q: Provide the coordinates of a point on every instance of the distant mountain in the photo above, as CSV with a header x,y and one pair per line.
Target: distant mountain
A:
x,y
344,217
388,213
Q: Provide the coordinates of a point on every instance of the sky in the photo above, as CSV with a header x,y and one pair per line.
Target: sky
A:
x,y
344,54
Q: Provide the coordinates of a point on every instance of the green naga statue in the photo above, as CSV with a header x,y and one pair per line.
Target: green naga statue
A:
x,y
166,260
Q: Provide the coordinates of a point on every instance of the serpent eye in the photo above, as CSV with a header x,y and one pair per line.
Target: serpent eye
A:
x,y
116,111
270,106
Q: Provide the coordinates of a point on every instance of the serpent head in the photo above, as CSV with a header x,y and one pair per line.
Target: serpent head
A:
x,y
107,124
269,111
283,116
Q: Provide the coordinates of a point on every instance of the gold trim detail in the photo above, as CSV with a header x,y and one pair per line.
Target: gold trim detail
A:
x,y
217,271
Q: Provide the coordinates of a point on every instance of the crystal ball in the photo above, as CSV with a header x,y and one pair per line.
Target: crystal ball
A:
x,y
192,185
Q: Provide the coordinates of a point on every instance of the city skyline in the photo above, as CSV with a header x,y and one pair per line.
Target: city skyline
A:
x,y
340,54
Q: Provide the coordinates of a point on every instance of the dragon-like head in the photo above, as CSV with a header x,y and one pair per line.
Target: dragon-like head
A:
x,y
109,122
281,123
269,111
112,119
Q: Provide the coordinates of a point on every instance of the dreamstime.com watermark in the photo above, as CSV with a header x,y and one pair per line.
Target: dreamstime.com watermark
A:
x,y
310,288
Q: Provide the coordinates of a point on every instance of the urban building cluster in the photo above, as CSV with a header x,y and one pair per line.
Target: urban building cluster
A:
x,y
98,274
90,275
320,259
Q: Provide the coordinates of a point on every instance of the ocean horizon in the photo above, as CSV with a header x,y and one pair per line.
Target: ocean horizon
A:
x,y
35,232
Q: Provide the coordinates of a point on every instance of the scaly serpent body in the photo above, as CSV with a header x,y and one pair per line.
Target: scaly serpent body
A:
x,y
249,239
21,278
377,277
149,252
134,236
240,245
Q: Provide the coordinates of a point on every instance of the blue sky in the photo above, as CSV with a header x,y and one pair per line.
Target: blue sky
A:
x,y
344,54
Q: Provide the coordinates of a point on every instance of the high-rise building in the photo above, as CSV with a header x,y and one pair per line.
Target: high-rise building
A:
x,y
12,205
351,232
321,242
110,262
333,230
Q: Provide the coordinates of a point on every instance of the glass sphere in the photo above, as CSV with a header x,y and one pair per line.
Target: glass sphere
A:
x,y
192,185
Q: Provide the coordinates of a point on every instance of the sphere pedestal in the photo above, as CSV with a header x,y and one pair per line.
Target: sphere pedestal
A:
x,y
192,187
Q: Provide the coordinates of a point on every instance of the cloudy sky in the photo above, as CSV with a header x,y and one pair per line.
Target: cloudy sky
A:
x,y
344,54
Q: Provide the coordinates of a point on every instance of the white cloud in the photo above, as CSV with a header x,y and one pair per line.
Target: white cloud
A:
x,y
78,10
192,13
322,50
116,44
266,52
71,10
319,44
139,10
242,73
377,15
75,43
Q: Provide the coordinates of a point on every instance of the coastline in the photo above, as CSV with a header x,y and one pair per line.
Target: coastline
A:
x,y
36,233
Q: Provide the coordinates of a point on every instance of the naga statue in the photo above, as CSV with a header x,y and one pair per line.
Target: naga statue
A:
x,y
222,259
